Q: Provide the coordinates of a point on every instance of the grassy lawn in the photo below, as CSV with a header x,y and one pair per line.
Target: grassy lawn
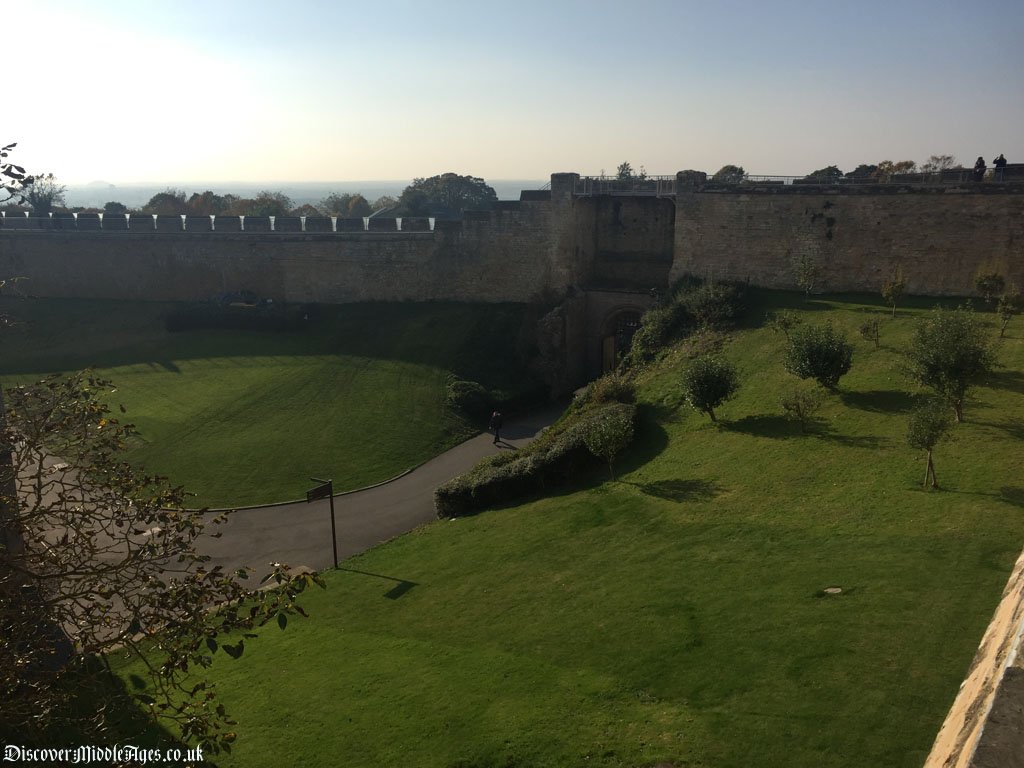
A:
x,y
675,614
245,417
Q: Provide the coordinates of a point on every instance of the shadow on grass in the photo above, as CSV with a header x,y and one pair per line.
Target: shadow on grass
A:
x,y
853,441
650,440
773,426
680,490
470,340
1007,379
783,428
94,692
762,301
1012,494
879,400
166,365
401,587
1014,428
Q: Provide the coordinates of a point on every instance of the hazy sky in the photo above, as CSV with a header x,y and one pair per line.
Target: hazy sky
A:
x,y
314,90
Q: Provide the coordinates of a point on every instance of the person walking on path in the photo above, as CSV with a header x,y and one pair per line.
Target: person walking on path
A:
x,y
496,426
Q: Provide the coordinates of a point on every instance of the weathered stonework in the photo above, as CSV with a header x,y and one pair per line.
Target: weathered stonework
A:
x,y
939,240
614,250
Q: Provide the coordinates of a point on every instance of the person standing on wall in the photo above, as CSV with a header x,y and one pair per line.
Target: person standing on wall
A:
x,y
999,163
496,426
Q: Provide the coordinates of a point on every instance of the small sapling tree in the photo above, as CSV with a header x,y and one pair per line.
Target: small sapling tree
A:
x,y
801,402
869,331
708,382
929,423
819,352
949,353
609,434
784,321
805,272
892,289
989,285
1010,303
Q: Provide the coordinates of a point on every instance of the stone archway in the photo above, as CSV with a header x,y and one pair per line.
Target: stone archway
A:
x,y
617,336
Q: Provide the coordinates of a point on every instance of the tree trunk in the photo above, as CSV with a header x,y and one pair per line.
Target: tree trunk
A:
x,y
10,537
929,472
958,409
894,311
711,413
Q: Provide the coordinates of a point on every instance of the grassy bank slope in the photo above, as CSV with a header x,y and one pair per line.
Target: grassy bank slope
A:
x,y
675,614
242,417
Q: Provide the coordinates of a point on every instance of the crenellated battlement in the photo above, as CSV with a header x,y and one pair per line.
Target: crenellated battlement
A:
x,y
502,213
580,232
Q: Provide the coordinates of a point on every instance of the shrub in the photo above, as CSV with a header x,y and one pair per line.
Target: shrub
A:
x,y
608,434
658,327
819,352
784,321
708,382
468,397
950,353
692,303
703,343
801,402
613,387
714,305
554,457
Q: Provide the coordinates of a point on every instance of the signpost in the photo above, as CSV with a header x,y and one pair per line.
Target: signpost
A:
x,y
326,488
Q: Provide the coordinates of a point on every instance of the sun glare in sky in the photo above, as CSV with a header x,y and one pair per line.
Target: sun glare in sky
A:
x,y
318,91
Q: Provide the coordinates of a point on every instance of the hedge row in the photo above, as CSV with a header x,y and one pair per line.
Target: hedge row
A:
x,y
549,460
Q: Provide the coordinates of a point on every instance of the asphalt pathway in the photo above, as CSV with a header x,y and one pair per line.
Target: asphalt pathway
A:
x,y
300,534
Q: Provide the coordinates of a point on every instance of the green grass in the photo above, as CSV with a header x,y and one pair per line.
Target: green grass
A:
x,y
675,614
247,417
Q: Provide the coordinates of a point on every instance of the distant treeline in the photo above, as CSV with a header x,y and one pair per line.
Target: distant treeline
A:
x,y
445,196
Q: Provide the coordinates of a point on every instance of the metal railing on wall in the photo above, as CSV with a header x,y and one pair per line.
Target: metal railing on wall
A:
x,y
634,185
666,185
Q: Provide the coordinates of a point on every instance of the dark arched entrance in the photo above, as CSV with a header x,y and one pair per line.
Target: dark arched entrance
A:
x,y
617,337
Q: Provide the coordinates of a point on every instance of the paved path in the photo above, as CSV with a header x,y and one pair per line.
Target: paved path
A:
x,y
300,533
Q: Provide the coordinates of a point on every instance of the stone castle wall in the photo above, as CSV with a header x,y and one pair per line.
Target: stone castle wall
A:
x,y
502,255
940,237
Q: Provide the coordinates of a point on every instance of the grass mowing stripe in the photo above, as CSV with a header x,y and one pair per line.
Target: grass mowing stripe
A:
x,y
246,417
676,613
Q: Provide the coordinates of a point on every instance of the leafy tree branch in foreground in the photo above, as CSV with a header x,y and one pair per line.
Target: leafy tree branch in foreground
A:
x,y
98,558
